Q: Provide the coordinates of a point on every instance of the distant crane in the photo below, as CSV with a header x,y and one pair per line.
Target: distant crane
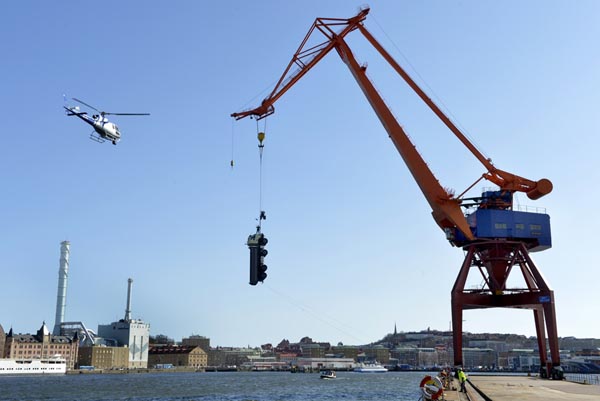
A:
x,y
495,236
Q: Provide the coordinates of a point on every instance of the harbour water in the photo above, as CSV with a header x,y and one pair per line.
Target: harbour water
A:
x,y
234,386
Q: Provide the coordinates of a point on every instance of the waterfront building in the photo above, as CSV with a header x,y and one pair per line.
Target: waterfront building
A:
x,y
325,363
417,336
445,357
502,360
134,334
289,358
416,357
283,346
41,345
428,342
377,353
197,341
231,356
184,355
584,352
102,357
405,356
264,363
261,366
346,351
427,357
479,358
313,350
578,344
523,359
498,346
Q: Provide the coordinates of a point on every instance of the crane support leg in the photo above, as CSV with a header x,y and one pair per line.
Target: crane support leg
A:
x,y
457,319
550,314
495,261
538,317
457,309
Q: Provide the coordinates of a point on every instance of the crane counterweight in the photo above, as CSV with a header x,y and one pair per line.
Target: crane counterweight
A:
x,y
543,187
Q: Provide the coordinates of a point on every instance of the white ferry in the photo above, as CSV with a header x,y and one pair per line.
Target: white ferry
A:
x,y
370,368
34,366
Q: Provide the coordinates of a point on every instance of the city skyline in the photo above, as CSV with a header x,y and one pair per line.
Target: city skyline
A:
x,y
352,245
428,331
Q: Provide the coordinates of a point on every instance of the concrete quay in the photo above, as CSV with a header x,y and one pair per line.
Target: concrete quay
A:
x,y
524,388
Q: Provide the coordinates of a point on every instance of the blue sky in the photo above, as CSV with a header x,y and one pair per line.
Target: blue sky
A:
x,y
353,249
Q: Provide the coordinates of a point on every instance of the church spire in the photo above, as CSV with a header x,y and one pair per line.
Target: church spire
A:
x,y
395,331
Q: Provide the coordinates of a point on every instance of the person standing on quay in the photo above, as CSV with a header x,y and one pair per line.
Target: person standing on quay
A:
x,y
462,378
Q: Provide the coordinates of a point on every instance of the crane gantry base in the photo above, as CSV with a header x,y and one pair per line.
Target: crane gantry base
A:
x,y
495,260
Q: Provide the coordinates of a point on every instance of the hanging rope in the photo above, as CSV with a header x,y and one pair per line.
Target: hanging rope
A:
x,y
261,137
318,314
231,163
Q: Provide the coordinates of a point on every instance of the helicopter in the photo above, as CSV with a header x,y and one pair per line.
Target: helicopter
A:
x,y
103,129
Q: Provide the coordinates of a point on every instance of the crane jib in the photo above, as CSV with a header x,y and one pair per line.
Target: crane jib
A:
x,y
447,209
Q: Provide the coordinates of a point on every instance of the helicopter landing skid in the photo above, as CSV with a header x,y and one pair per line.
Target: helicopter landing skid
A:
x,y
97,138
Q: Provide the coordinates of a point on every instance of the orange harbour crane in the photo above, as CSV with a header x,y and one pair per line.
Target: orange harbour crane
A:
x,y
496,238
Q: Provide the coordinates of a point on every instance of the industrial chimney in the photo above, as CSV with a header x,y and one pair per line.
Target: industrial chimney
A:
x,y
128,308
61,297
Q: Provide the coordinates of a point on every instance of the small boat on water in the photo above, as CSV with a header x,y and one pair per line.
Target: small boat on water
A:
x,y
370,368
328,374
33,366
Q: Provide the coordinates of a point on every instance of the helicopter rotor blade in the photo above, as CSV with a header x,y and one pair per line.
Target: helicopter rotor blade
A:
x,y
85,104
127,114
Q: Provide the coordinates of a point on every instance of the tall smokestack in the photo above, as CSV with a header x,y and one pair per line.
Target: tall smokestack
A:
x,y
61,297
128,309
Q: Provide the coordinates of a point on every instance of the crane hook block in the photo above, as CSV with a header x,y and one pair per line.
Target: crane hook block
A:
x,y
261,137
542,187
